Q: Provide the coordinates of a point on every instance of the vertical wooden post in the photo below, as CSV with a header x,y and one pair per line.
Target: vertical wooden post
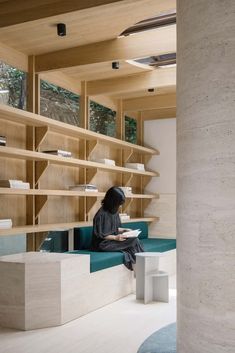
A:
x,y
83,123
140,129
33,105
120,121
140,140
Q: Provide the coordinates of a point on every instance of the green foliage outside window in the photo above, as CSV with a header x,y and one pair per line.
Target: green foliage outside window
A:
x,y
12,86
59,104
130,130
102,119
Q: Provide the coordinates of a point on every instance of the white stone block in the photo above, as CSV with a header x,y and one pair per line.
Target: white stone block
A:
x,y
34,287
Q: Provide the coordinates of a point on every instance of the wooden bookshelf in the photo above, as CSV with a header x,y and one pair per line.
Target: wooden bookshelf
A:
x,y
60,226
48,205
35,120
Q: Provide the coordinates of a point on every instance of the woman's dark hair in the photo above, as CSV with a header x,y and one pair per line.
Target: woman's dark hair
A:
x,y
114,198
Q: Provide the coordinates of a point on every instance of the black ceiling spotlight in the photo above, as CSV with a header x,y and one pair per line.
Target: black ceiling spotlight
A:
x,y
115,65
150,89
61,29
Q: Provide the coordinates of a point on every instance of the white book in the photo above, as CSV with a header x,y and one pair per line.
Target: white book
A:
x,y
126,189
83,187
5,223
105,161
131,233
61,153
138,166
14,184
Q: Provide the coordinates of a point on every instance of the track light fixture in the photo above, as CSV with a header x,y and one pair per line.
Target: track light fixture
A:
x,y
115,65
61,29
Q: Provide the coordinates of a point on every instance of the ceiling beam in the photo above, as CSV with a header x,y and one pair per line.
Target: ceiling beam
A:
x,y
160,101
154,114
155,42
137,82
20,11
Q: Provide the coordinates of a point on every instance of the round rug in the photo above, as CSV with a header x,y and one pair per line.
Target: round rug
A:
x,y
161,341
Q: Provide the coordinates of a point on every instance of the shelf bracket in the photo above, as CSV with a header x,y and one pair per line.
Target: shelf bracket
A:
x,y
40,168
40,134
126,179
90,203
90,146
126,155
144,181
127,204
90,174
39,204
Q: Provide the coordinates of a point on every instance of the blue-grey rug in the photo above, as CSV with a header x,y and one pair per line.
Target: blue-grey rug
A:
x,y
161,341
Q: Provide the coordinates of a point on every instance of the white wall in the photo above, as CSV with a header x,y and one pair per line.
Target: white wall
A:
x,y
161,134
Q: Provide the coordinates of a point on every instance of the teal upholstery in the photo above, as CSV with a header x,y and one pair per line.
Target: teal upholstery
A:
x,y
158,244
102,260
83,235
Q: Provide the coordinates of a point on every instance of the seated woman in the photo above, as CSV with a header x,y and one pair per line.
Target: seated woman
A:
x,y
108,235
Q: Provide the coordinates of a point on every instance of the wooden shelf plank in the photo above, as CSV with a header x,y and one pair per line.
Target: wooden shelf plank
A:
x,y
12,152
31,119
60,226
47,192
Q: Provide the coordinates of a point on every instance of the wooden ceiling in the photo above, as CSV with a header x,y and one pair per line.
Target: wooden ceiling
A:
x,y
92,43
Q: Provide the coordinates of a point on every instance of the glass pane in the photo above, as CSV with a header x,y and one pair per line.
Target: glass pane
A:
x,y
59,104
12,86
130,130
102,119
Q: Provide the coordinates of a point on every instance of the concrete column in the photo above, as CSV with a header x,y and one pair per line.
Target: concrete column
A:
x,y
206,176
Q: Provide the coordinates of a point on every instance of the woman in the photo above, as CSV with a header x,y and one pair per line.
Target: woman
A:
x,y
107,232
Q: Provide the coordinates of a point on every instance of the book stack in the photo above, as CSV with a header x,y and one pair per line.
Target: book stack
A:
x,y
84,187
105,161
60,153
138,166
5,223
124,217
14,184
126,189
3,140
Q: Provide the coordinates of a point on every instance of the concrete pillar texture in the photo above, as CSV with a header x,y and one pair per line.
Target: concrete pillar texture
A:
x,y
206,176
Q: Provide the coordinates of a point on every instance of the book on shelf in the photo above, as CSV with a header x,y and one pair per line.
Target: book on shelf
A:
x,y
126,189
60,153
131,233
14,184
137,166
105,161
3,140
124,217
5,223
83,187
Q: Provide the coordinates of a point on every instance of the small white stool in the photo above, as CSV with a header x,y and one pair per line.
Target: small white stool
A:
x,y
151,284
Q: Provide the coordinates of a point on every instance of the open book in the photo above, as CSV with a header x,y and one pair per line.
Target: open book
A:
x,y
131,234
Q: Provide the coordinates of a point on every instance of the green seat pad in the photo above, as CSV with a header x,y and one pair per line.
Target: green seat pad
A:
x,y
101,260
83,235
158,244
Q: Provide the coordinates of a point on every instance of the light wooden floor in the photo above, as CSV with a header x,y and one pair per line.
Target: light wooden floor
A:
x,y
120,327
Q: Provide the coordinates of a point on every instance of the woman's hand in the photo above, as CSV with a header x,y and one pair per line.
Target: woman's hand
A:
x,y
119,237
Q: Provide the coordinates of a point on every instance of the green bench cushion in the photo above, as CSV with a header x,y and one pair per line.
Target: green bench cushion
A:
x,y
158,244
83,235
101,260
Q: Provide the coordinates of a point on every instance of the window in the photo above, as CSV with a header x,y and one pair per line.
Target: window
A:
x,y
130,130
59,104
12,86
102,119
